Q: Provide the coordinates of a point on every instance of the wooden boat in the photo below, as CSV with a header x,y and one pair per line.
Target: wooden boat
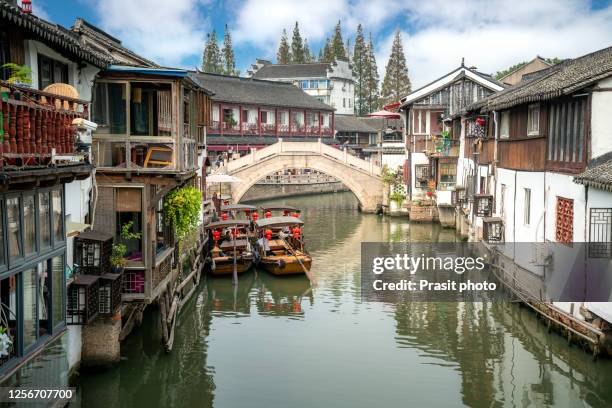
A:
x,y
232,248
285,253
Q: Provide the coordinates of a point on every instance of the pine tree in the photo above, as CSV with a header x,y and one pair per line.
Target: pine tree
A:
x,y
308,56
359,72
396,83
227,52
337,44
328,53
283,56
371,79
297,46
212,56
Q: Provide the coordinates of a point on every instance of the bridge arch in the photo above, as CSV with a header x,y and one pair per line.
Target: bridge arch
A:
x,y
359,176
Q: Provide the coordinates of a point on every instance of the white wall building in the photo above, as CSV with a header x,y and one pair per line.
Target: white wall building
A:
x,y
332,83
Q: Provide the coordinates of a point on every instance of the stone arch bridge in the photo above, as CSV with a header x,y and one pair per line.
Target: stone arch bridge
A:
x,y
362,177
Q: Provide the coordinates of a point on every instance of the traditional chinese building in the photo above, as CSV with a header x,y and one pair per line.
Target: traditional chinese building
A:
x,y
251,113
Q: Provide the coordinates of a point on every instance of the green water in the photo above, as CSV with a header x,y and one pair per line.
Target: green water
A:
x,y
273,342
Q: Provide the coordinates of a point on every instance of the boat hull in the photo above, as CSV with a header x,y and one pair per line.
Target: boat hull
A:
x,y
227,267
285,265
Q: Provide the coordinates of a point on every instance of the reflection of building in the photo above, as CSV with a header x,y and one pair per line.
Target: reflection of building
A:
x,y
330,82
44,191
250,113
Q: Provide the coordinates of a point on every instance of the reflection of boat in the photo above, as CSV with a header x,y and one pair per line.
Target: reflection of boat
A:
x,y
280,247
232,250
281,296
225,296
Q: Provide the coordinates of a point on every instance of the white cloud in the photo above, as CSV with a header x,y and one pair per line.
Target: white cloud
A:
x,y
165,31
495,35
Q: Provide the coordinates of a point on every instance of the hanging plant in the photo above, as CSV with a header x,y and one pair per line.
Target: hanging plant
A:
x,y
182,209
5,342
18,74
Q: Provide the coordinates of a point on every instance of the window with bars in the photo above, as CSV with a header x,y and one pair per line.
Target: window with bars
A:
x,y
421,172
565,220
600,233
566,128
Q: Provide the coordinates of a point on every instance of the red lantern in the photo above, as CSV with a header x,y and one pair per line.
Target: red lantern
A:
x,y
268,234
480,121
224,216
26,6
296,215
268,214
255,216
216,236
286,213
297,232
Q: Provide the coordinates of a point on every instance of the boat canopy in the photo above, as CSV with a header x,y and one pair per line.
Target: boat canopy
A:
x,y
239,207
278,222
229,223
280,208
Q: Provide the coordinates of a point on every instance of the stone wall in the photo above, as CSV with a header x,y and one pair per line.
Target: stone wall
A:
x,y
267,191
101,347
423,213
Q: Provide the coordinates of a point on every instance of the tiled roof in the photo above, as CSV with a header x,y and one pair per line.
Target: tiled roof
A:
x,y
350,123
598,174
282,71
558,80
233,89
53,35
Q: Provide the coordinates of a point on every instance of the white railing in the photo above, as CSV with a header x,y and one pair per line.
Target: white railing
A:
x,y
319,148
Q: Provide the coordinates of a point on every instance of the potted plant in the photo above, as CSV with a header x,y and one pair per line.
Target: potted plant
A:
x,y
118,260
19,75
396,199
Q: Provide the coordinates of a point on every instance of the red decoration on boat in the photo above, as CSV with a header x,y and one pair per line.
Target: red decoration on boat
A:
x,y
216,236
26,6
268,234
480,121
297,232
224,216
286,212
295,215
268,214
255,216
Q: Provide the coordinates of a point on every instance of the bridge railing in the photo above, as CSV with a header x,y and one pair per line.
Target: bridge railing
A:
x,y
304,147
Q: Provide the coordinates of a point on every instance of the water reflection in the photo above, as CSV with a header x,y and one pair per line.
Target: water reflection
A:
x,y
274,342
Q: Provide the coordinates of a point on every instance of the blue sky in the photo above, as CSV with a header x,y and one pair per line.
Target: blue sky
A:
x,y
490,34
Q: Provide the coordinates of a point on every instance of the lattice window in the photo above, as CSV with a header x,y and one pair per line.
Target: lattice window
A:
x,y
484,205
600,233
421,172
565,220
493,230
459,195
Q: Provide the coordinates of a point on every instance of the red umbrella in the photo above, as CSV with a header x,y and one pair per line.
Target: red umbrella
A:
x,y
385,115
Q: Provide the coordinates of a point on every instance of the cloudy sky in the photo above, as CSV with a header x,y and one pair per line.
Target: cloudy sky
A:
x,y
490,34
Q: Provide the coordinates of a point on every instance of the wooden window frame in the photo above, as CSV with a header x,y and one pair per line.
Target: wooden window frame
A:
x,y
564,229
533,113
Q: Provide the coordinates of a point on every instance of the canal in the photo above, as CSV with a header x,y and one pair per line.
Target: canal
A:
x,y
274,342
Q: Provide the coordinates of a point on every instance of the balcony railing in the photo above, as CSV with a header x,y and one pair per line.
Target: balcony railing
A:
x,y
35,124
269,129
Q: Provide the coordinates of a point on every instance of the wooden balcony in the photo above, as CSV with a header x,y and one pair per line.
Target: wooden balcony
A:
x,y
35,125
268,129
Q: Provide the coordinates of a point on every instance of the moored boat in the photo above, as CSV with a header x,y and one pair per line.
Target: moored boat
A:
x,y
232,249
280,247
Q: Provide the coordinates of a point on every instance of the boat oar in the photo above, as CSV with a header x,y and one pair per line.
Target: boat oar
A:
x,y
306,271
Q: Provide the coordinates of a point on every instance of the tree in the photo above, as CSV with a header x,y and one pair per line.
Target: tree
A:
x,y
283,56
297,46
327,54
308,55
337,44
211,61
396,83
359,71
371,79
227,52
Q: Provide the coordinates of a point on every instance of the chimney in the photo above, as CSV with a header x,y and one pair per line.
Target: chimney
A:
x,y
26,6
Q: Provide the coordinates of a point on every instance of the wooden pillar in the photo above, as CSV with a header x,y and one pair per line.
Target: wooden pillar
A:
x,y
320,124
221,118
38,132
276,122
33,130
332,124
290,118
259,120
240,120
305,122
12,128
6,147
26,129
